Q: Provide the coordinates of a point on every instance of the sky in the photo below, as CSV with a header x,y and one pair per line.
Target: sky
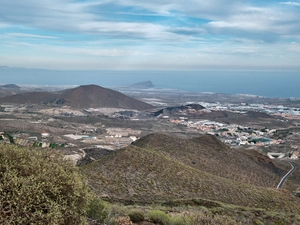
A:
x,y
150,35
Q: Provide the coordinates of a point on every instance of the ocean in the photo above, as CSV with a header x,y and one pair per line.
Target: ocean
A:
x,y
279,84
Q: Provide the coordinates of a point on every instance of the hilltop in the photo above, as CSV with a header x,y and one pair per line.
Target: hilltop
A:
x,y
160,168
85,96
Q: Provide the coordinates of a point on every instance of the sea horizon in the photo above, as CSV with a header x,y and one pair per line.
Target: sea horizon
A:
x,y
272,84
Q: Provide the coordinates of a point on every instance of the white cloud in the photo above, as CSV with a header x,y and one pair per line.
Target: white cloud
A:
x,y
54,15
25,35
232,17
291,3
90,52
231,32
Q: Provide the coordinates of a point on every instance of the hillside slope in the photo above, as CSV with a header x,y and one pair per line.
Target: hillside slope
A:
x,y
145,175
86,96
208,154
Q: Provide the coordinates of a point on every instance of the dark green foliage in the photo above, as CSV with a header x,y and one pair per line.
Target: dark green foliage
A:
x,y
136,215
39,187
11,139
35,144
55,145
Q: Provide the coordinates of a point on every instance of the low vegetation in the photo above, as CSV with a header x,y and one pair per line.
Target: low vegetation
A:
x,y
224,214
39,187
136,215
207,153
143,176
162,183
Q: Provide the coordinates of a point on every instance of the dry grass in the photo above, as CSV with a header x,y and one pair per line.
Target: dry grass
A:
x,y
208,154
142,175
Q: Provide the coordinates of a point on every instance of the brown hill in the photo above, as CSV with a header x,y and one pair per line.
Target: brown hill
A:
x,y
208,154
10,86
9,89
86,96
150,174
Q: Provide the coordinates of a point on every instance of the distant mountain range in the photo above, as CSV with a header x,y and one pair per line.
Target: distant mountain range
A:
x,y
85,96
160,168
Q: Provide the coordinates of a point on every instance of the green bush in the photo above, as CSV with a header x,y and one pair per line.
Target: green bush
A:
x,y
159,217
39,187
97,210
177,220
136,215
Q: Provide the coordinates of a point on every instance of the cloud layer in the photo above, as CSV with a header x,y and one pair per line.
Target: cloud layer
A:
x,y
164,34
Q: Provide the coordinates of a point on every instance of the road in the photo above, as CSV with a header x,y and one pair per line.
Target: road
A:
x,y
281,183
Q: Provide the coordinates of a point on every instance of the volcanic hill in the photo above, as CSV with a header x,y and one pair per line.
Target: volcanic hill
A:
x,y
9,89
85,96
162,168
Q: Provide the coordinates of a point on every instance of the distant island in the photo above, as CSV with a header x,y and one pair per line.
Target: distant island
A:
x,y
145,84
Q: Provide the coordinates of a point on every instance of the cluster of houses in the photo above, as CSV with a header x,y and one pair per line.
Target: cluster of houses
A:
x,y
278,110
235,134
231,133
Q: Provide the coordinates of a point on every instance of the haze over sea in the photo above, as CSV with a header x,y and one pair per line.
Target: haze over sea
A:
x,y
279,84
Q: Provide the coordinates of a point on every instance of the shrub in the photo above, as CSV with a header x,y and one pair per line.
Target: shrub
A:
x,y
177,220
136,215
114,211
159,217
97,210
39,187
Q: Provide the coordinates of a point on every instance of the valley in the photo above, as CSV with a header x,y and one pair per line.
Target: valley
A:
x,y
166,146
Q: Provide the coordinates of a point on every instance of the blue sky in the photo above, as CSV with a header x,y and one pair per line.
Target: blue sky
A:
x,y
150,35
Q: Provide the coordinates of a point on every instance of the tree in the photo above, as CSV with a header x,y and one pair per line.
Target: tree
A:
x,y
39,187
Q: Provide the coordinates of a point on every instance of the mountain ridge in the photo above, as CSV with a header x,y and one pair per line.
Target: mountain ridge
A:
x,y
85,96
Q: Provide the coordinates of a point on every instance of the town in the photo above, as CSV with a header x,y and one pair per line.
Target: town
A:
x,y
67,127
